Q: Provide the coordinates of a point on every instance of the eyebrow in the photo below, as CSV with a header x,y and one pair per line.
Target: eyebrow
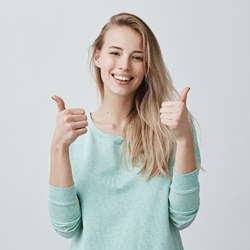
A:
x,y
116,47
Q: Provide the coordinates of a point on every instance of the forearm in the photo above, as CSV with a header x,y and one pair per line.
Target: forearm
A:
x,y
60,168
64,207
64,210
184,199
185,155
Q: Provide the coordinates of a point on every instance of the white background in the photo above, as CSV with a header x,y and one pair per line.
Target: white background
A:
x,y
44,51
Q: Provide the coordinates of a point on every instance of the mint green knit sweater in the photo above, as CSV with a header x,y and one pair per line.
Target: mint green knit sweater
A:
x,y
110,207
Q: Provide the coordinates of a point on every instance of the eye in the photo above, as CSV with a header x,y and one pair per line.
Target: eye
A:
x,y
138,58
114,53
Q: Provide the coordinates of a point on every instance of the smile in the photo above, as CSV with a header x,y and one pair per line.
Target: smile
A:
x,y
122,78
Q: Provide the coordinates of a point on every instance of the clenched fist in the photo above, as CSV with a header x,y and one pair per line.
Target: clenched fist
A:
x,y
174,114
70,124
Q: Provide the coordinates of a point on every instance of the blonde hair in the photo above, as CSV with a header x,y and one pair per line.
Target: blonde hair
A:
x,y
149,144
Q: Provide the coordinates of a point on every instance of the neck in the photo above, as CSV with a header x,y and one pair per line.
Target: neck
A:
x,y
111,115
115,109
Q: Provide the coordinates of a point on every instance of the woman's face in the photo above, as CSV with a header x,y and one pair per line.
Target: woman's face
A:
x,y
121,61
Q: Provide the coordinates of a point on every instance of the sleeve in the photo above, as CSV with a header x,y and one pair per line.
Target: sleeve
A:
x,y
64,210
184,196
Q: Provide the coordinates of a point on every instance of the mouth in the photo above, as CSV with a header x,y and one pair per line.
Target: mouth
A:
x,y
122,78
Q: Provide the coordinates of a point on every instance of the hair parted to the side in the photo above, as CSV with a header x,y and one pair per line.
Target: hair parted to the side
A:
x,y
149,144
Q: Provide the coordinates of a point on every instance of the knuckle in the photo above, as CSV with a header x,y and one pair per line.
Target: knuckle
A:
x,y
163,110
68,119
69,127
66,112
65,120
79,110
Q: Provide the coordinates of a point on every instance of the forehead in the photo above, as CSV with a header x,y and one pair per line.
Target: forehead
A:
x,y
123,37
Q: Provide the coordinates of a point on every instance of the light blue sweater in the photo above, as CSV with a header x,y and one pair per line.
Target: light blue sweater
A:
x,y
110,207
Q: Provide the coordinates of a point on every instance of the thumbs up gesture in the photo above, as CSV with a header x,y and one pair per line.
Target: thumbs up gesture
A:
x,y
70,124
174,114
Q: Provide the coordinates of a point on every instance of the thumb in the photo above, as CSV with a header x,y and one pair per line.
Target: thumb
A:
x,y
183,95
60,103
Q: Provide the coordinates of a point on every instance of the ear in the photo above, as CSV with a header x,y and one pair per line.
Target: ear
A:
x,y
96,58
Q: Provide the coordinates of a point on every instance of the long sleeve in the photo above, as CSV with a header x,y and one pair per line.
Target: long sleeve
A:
x,y
184,198
64,210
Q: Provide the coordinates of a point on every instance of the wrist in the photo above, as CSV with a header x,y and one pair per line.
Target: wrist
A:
x,y
57,146
186,140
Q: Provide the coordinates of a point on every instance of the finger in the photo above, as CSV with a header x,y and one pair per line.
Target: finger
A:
x,y
80,125
168,104
77,132
75,111
60,103
74,118
166,122
166,116
171,124
183,95
80,131
78,118
167,110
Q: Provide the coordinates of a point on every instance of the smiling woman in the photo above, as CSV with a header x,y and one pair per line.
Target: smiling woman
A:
x,y
131,180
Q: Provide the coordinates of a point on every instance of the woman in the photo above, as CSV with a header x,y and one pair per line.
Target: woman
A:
x,y
131,180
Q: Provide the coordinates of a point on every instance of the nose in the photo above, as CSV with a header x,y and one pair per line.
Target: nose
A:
x,y
124,63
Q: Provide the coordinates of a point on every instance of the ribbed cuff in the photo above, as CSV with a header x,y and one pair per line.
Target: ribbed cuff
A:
x,y
62,195
185,183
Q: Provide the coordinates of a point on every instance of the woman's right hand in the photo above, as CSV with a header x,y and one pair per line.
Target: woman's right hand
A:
x,y
70,124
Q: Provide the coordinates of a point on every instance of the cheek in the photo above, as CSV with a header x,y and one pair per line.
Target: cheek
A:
x,y
106,63
105,69
104,75
141,72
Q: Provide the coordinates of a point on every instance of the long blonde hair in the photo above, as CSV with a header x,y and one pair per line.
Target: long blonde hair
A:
x,y
149,144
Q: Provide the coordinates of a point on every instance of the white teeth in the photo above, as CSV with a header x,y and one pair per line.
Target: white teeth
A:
x,y
122,78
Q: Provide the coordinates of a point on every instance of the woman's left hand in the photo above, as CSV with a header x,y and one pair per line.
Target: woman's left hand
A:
x,y
174,114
